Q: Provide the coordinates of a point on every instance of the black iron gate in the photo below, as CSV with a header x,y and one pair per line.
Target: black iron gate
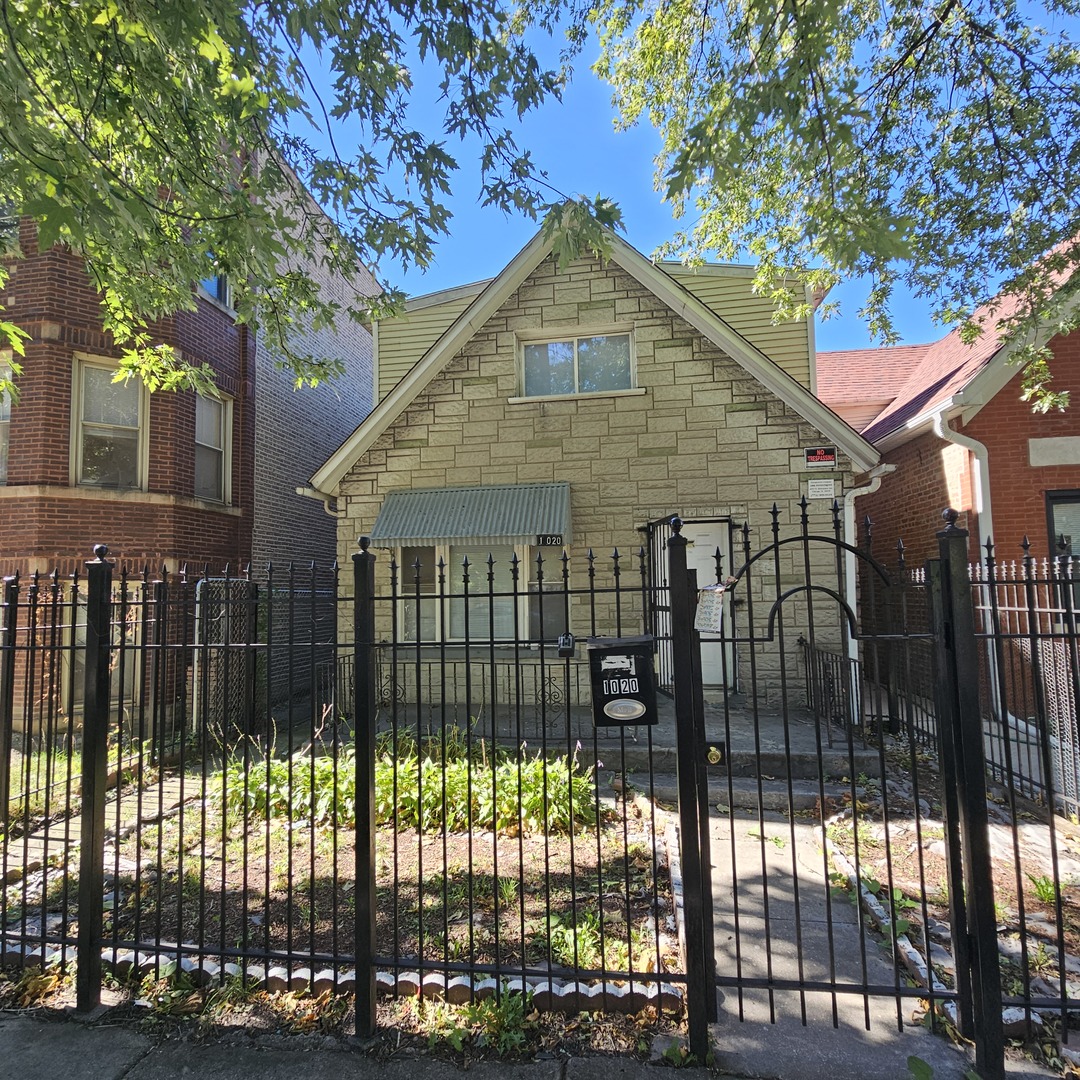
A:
x,y
899,827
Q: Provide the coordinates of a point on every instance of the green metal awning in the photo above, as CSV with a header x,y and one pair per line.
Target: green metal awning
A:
x,y
496,514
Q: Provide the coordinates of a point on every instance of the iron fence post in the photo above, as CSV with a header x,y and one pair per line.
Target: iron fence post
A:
x,y
697,684
954,849
962,739
95,749
700,961
7,690
364,721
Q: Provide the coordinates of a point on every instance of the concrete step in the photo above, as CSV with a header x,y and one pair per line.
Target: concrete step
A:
x,y
835,764
744,791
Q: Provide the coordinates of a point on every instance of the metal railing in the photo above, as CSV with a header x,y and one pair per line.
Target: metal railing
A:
x,y
267,775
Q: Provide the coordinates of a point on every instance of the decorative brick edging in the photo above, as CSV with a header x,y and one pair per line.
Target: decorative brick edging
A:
x,y
1015,1019
549,994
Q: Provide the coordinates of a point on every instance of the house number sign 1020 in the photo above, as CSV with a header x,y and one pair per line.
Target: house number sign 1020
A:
x,y
549,540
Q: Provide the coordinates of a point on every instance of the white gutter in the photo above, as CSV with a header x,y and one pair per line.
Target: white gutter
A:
x,y
981,477
850,568
311,493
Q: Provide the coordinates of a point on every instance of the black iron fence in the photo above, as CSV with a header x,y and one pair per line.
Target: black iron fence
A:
x,y
325,781
391,779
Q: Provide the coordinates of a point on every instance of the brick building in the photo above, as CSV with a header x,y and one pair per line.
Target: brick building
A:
x,y
163,479
949,418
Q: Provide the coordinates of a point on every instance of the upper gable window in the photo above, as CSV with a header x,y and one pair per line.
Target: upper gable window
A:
x,y
597,364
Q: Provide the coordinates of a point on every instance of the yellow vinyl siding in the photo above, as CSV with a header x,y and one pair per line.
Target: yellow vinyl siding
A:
x,y
404,340
729,294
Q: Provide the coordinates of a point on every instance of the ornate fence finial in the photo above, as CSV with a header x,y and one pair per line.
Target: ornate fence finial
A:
x,y
364,542
676,525
101,550
950,517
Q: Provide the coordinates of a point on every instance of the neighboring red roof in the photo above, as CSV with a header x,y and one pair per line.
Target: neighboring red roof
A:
x,y
851,376
948,365
946,368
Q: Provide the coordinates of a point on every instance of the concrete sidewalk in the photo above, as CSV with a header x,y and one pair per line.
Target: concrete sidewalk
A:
x,y
68,1050
35,1049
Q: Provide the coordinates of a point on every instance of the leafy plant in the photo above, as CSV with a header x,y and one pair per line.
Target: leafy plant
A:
x,y
678,1055
499,1022
1045,889
441,784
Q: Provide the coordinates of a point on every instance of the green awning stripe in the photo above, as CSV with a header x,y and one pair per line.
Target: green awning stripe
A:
x,y
497,514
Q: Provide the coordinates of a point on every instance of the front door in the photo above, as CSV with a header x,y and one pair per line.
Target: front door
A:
x,y
705,537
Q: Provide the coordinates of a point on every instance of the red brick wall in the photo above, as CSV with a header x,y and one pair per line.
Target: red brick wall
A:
x,y
910,501
50,297
1018,489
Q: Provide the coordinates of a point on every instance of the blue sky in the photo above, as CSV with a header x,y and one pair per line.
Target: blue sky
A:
x,y
575,142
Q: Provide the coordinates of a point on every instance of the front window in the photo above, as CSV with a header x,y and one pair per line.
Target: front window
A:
x,y
211,428
596,364
1063,512
498,610
110,428
5,426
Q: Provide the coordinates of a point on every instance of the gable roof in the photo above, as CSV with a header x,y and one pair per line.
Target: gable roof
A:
x,y
683,302
948,372
849,376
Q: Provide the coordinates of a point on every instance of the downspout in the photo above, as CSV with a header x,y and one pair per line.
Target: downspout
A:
x,y
851,538
985,519
982,477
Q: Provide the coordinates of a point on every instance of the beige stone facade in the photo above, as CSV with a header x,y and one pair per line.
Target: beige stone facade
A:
x,y
697,435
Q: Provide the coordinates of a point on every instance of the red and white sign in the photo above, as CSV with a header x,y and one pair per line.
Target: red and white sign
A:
x,y
820,457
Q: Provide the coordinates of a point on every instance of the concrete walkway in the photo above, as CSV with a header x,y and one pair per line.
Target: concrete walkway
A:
x,y
755,868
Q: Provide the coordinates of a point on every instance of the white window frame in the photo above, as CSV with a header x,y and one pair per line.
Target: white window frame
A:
x,y
142,442
217,288
478,586
5,426
574,334
226,404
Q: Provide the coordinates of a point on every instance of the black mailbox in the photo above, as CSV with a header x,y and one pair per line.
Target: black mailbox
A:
x,y
623,686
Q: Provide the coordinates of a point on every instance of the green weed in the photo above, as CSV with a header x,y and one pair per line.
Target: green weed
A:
x,y
1045,889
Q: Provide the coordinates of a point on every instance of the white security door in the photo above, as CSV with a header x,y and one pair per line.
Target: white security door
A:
x,y
704,538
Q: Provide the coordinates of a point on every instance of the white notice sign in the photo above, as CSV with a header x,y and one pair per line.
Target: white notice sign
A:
x,y
710,609
821,489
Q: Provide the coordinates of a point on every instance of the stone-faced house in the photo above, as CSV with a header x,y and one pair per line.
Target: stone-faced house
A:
x,y
578,404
